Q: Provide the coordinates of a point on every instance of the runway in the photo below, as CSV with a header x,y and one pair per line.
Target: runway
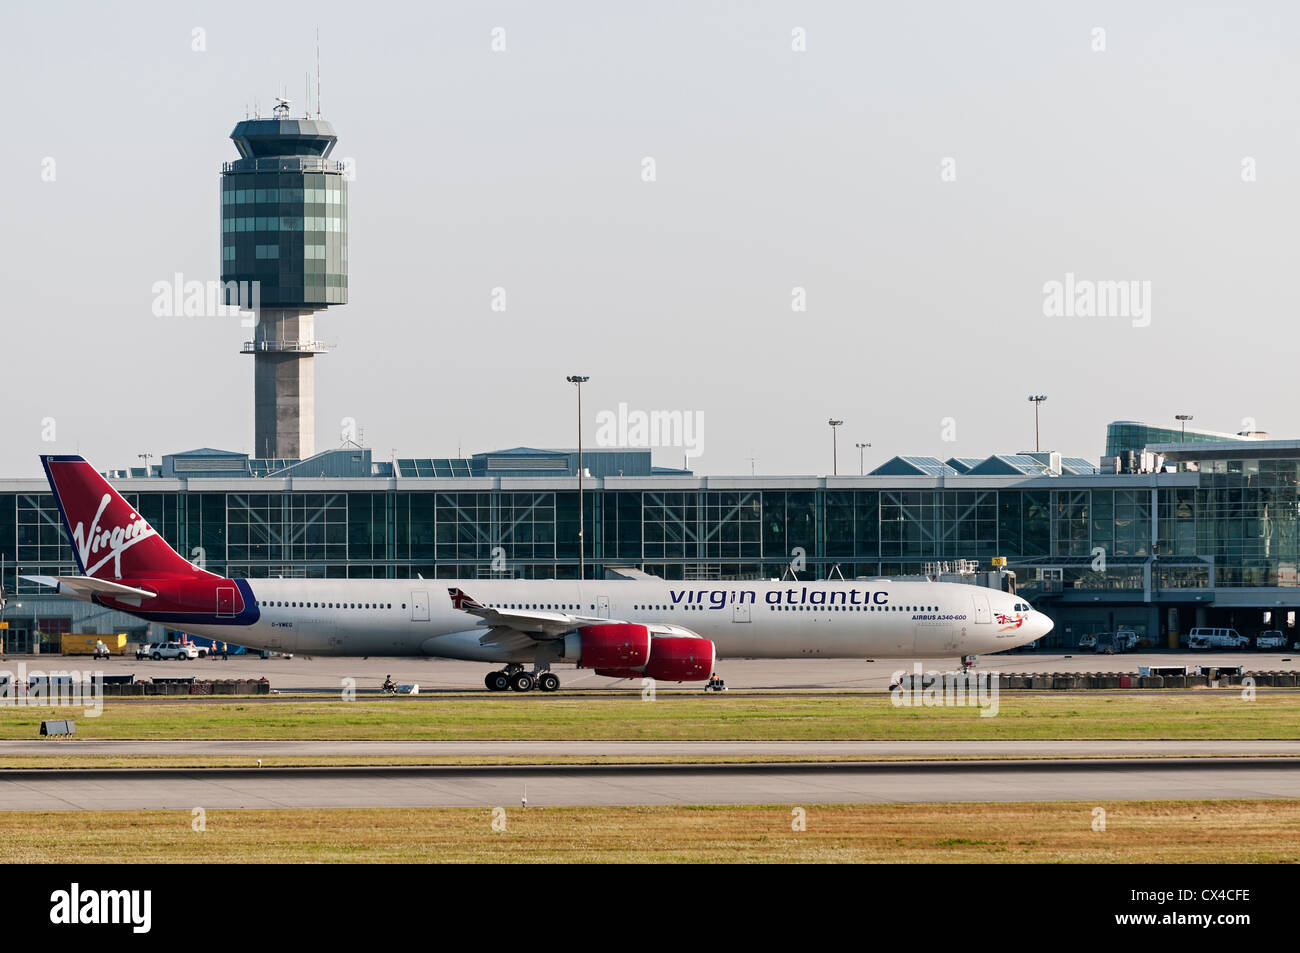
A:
x,y
1100,781
327,674
867,750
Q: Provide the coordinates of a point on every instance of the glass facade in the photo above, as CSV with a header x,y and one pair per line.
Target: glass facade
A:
x,y
287,230
1236,523
1131,436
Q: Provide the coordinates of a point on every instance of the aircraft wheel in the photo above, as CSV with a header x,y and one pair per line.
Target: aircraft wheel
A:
x,y
497,681
522,682
548,682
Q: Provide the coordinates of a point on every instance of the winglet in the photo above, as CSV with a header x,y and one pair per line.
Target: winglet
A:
x,y
462,600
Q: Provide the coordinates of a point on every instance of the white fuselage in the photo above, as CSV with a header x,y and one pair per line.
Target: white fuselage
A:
x,y
829,619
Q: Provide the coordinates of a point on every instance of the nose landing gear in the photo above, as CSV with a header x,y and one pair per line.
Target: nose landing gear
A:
x,y
968,662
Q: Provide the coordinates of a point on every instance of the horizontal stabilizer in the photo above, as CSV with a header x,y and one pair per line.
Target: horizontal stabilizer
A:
x,y
85,586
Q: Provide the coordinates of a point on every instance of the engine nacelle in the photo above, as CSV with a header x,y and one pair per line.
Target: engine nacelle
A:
x,y
619,645
681,659
673,658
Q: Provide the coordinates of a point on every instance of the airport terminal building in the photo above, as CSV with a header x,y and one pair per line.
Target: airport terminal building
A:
x,y
1211,537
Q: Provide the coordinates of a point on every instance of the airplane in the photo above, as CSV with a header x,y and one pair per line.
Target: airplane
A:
x,y
644,627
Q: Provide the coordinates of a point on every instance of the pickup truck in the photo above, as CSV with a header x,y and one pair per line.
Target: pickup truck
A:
x,y
1271,639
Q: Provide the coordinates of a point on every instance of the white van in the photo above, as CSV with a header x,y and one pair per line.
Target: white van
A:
x,y
1206,638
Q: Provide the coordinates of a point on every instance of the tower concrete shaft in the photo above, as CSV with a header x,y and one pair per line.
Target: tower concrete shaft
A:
x,y
284,383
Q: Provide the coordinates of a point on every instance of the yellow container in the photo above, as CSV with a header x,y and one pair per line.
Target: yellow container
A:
x,y
77,643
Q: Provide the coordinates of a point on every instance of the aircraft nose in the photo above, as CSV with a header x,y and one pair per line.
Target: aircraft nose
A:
x,y
1041,624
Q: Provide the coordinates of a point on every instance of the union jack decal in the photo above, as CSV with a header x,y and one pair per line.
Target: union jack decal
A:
x,y
462,600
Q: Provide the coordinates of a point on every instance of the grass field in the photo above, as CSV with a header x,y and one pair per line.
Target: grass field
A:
x,y
1135,832
688,717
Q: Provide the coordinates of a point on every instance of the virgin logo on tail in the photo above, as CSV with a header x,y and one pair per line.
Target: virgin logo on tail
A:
x,y
105,530
116,540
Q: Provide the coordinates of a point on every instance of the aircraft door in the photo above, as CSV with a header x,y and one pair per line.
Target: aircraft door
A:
x,y
982,613
420,606
225,602
602,606
740,613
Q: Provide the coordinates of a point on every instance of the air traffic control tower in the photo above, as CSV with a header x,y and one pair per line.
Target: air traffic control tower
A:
x,y
284,224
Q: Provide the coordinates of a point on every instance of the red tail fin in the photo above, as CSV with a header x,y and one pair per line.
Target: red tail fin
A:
x,y
110,540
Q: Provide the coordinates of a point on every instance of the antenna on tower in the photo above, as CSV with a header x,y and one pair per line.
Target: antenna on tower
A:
x,y
317,72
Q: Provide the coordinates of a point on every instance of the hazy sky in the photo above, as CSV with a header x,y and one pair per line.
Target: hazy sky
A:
x,y
822,169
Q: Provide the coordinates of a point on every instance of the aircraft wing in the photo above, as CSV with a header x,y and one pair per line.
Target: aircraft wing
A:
x,y
535,623
83,587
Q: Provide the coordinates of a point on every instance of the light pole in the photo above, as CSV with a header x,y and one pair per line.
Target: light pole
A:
x,y
861,450
582,560
146,457
835,429
1183,418
1036,399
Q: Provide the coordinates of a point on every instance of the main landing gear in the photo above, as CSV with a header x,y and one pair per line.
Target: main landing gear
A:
x,y
514,678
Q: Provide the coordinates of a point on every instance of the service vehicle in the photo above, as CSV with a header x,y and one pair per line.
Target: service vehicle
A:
x,y
1215,638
